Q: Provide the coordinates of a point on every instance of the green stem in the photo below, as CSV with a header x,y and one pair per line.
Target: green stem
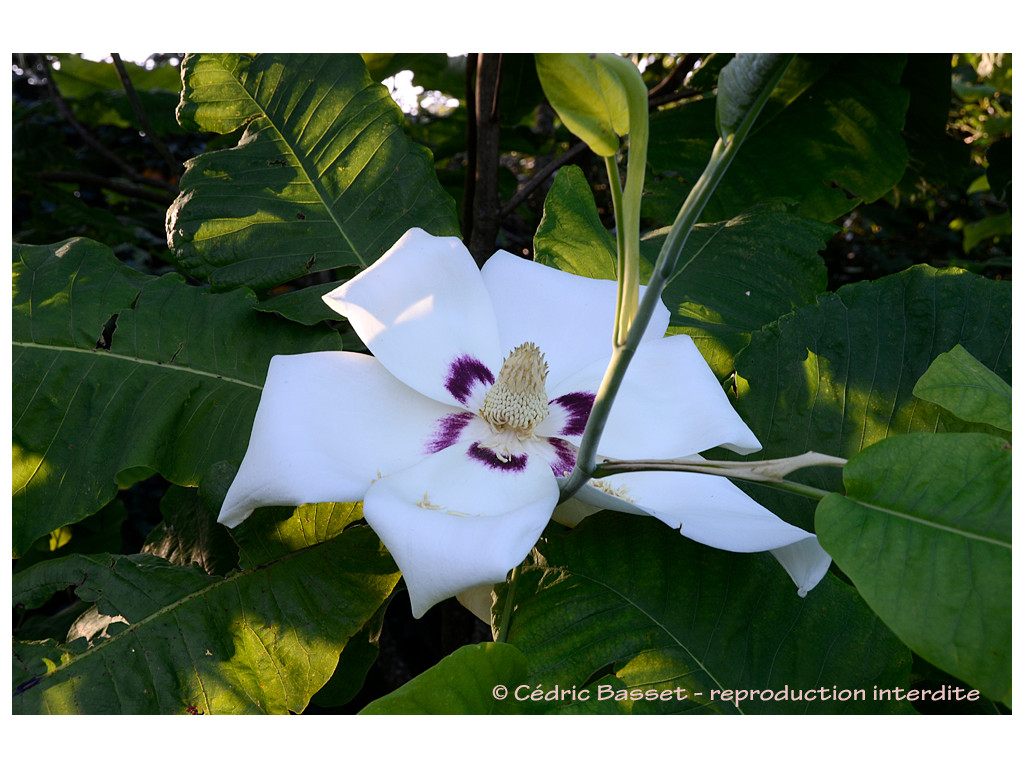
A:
x,y
627,217
721,157
769,472
510,599
800,489
615,188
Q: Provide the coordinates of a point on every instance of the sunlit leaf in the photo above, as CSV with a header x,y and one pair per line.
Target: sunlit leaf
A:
x,y
262,639
474,680
571,236
838,375
967,389
118,375
588,97
667,612
923,531
323,176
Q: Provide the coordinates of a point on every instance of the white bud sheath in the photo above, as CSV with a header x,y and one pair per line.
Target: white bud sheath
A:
x,y
518,401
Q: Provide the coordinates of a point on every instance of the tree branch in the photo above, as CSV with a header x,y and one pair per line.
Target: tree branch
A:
x,y
95,145
123,188
140,114
541,175
485,220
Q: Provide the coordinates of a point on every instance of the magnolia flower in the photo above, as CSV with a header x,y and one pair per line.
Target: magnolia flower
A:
x,y
454,434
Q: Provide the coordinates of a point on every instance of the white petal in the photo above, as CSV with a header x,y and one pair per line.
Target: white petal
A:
x,y
478,601
713,511
706,508
327,424
569,317
670,404
421,308
806,563
453,523
572,512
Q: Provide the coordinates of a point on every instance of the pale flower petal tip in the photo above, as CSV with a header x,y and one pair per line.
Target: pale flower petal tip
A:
x,y
478,601
805,561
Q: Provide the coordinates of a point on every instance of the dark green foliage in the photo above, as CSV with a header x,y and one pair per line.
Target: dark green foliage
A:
x,y
149,296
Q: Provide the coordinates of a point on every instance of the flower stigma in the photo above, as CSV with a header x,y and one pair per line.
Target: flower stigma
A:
x,y
517,402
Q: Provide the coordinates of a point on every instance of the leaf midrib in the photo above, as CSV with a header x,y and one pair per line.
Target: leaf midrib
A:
x,y
926,523
313,179
138,360
130,630
661,627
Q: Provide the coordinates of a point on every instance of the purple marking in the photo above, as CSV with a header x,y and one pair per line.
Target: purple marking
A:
x,y
577,407
565,456
463,373
516,463
448,430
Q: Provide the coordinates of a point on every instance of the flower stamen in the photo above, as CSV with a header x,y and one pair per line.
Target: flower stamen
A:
x,y
517,401
622,492
424,503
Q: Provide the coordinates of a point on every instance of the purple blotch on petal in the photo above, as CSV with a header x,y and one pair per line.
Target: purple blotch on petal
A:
x,y
577,406
516,462
463,373
448,430
565,456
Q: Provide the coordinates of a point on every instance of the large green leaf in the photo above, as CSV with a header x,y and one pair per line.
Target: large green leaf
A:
x,y
483,679
967,389
838,375
829,138
734,277
262,639
570,236
923,531
667,612
323,176
118,375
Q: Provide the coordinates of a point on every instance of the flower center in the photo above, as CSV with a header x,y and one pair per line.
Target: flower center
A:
x,y
517,401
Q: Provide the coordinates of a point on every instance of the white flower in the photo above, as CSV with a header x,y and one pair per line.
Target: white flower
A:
x,y
455,431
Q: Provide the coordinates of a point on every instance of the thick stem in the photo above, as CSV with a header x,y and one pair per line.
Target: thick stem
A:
x,y
615,189
627,215
768,471
483,230
721,157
